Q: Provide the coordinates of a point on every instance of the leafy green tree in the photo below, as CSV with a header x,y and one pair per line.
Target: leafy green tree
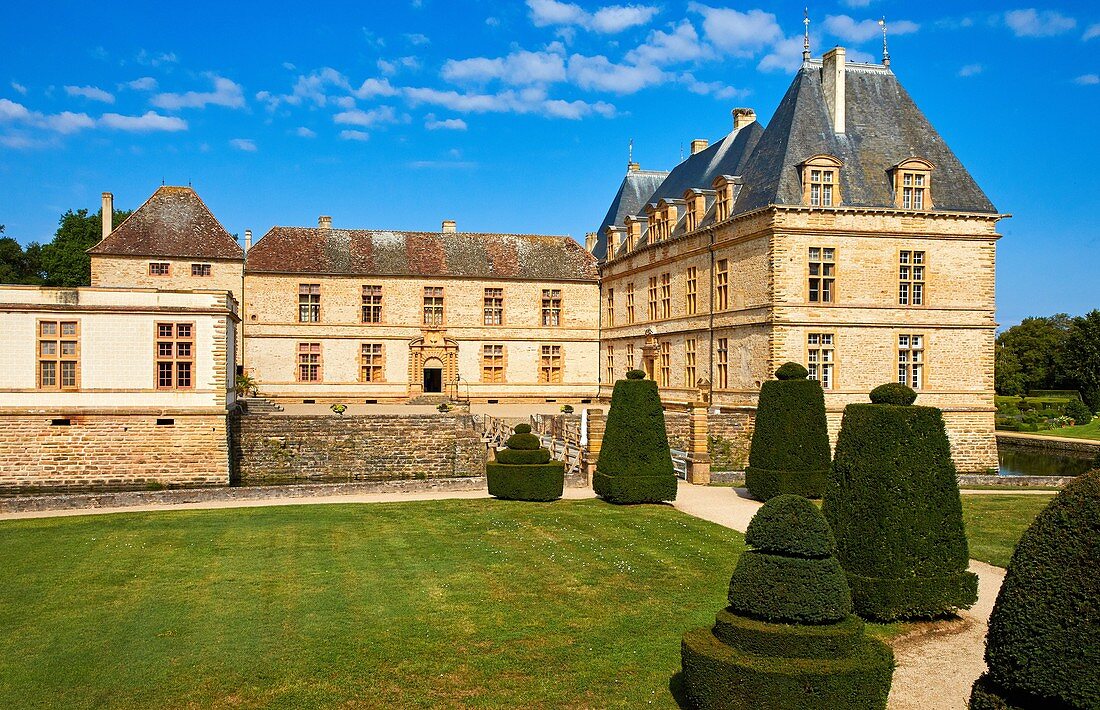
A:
x,y
18,265
65,259
1008,378
1080,358
1034,345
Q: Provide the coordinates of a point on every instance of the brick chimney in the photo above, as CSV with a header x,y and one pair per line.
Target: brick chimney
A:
x,y
108,214
324,222
449,226
742,117
247,239
699,145
832,83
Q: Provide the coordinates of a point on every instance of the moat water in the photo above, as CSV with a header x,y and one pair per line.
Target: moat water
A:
x,y
1029,461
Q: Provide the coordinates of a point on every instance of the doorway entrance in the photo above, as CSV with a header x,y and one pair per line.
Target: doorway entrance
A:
x,y
433,375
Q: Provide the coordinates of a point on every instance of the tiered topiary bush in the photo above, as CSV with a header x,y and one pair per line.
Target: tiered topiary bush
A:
x,y
1043,645
892,500
790,442
524,471
788,639
635,464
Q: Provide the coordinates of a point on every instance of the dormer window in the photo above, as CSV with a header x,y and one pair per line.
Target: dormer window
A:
x,y
913,184
723,203
821,181
696,207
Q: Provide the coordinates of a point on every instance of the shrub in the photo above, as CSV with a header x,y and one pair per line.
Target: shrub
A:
x,y
525,472
892,501
1078,411
635,464
790,443
1043,645
893,393
788,639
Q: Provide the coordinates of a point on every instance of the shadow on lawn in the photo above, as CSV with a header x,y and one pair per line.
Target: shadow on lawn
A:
x,y
679,692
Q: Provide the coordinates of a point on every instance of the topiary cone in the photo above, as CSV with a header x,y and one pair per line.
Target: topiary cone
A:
x,y
892,500
1043,645
790,441
635,464
524,471
788,639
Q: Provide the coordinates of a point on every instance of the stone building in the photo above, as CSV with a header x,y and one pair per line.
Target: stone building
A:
x,y
844,235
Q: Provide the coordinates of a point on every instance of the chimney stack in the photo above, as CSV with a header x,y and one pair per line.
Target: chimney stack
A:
x,y
633,167
108,214
324,222
743,117
247,239
449,226
590,240
699,145
832,82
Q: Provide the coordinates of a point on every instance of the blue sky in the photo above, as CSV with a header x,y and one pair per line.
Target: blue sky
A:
x,y
516,116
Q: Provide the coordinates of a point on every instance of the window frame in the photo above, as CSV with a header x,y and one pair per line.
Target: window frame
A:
x,y
58,358
157,272
174,360
913,368
630,303
666,295
813,172
722,285
493,364
690,363
905,176
822,364
610,307
722,363
438,310
907,285
552,308
311,306
318,364
376,303
823,278
372,361
205,270
691,290
551,364
492,306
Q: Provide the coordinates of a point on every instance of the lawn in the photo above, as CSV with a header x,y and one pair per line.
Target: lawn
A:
x,y
1088,431
994,523
436,604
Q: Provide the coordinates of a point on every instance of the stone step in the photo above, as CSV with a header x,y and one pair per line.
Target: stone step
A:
x,y
260,405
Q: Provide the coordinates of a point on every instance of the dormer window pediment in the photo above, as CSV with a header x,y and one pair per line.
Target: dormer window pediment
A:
x,y
724,189
821,181
912,180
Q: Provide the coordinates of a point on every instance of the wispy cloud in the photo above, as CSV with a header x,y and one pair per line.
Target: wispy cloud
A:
x,y
446,124
1092,32
971,70
145,83
148,122
92,93
601,74
303,132
1033,23
681,44
610,19
417,39
519,68
19,88
851,30
244,144
741,34
785,55
1087,80
153,59
353,135
442,165
373,117
226,93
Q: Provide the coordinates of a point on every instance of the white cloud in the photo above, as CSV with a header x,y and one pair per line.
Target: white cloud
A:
x,y
145,83
1092,32
154,59
442,164
710,88
492,21
610,19
1032,23
351,135
375,87
149,121
373,117
446,124
785,56
600,74
1087,80
519,68
531,100
68,122
11,111
92,93
574,110
226,93
245,144
311,88
65,122
389,68
971,70
303,132
682,44
417,39
856,3
739,33
19,88
848,29
858,55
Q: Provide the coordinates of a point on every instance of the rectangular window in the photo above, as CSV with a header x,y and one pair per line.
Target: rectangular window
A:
x,y
370,363
158,268
200,269
722,211
822,270
58,355
175,355
689,363
494,306
433,305
821,188
911,278
666,295
691,302
309,362
911,360
610,363
630,302
653,298
912,191
630,356
550,364
722,285
723,364
372,304
820,358
666,363
551,307
492,363
610,307
309,303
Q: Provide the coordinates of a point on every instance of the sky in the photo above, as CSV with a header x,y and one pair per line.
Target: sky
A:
x,y
518,116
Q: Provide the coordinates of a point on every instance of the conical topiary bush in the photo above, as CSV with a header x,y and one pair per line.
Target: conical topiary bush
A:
x,y
524,471
1043,645
892,500
788,639
790,441
635,464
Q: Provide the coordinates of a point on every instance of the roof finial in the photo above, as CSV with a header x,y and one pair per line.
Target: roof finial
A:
x,y
630,153
885,49
806,38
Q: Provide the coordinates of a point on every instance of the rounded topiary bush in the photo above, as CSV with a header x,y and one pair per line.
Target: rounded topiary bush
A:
x,y
788,639
524,471
893,393
892,500
635,464
1043,644
790,441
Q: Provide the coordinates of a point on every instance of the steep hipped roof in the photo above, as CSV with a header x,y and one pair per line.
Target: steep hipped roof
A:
x,y
361,252
174,222
726,157
636,190
883,128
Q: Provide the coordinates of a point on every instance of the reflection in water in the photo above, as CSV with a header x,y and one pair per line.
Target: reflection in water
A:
x,y
1029,461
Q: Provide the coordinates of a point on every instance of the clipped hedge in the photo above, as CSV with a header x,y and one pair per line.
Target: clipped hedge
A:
x,y
892,501
787,640
635,464
1043,644
525,472
523,456
790,441
523,442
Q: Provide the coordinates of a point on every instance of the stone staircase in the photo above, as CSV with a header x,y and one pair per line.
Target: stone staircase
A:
x,y
433,399
259,405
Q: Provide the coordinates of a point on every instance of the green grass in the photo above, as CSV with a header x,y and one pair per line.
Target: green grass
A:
x,y
1088,431
994,523
441,604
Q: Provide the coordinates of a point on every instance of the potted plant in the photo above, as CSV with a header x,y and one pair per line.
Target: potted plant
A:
x,y
339,409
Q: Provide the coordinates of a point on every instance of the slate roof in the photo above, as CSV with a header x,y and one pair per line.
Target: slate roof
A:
x,y
173,222
635,191
362,252
726,157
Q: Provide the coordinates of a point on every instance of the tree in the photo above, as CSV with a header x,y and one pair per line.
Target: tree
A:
x,y
1034,346
1008,378
1080,358
19,266
65,259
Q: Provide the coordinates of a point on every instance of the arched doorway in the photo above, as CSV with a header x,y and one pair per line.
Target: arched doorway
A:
x,y
433,363
433,375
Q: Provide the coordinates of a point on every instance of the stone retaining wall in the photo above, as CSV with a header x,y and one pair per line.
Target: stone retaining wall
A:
x,y
730,434
1083,447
